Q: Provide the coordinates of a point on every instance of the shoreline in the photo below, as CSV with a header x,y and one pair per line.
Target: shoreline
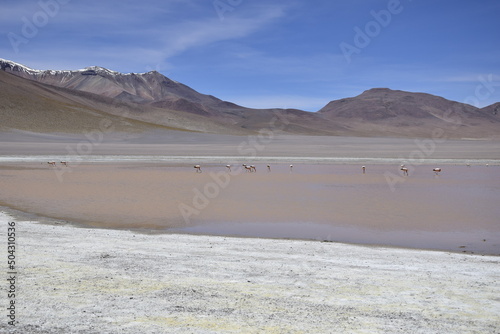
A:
x,y
241,147
214,160
205,284
54,221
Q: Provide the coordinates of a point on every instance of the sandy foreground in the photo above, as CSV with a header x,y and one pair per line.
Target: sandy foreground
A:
x,y
79,280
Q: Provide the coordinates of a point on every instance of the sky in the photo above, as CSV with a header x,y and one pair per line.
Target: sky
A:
x,y
270,54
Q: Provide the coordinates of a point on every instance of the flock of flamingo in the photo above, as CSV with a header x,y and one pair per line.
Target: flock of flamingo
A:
x,y
53,163
248,168
253,169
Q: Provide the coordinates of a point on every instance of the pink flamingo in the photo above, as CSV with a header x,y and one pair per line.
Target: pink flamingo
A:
x,y
404,169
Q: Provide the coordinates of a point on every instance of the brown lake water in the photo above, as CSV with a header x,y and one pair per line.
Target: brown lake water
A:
x,y
458,210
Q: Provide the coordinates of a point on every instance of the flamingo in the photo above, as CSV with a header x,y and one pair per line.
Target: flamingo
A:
x,y
198,168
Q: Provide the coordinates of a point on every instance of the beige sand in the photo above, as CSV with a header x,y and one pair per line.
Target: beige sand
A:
x,y
456,210
73,280
175,143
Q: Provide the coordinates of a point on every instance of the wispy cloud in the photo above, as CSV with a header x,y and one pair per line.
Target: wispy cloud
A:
x,y
157,30
193,34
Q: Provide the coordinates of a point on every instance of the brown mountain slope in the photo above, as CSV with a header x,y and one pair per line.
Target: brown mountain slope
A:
x,y
383,111
147,87
29,106
144,88
153,98
493,109
32,106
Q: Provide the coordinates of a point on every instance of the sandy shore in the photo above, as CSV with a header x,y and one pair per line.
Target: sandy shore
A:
x,y
175,143
107,281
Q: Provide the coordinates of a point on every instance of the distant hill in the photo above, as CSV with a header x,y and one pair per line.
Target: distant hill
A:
x,y
150,99
381,111
493,109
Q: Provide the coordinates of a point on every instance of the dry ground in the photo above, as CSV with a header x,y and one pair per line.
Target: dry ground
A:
x,y
76,280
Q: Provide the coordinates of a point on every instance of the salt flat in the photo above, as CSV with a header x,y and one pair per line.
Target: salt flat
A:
x,y
82,280
175,143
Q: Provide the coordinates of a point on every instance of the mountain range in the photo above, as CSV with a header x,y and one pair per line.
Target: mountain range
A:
x,y
77,100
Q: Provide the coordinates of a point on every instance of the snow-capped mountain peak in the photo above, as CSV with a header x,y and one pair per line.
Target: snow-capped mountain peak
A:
x,y
150,87
100,70
10,66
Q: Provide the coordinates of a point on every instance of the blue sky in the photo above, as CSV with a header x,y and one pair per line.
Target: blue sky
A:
x,y
257,53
